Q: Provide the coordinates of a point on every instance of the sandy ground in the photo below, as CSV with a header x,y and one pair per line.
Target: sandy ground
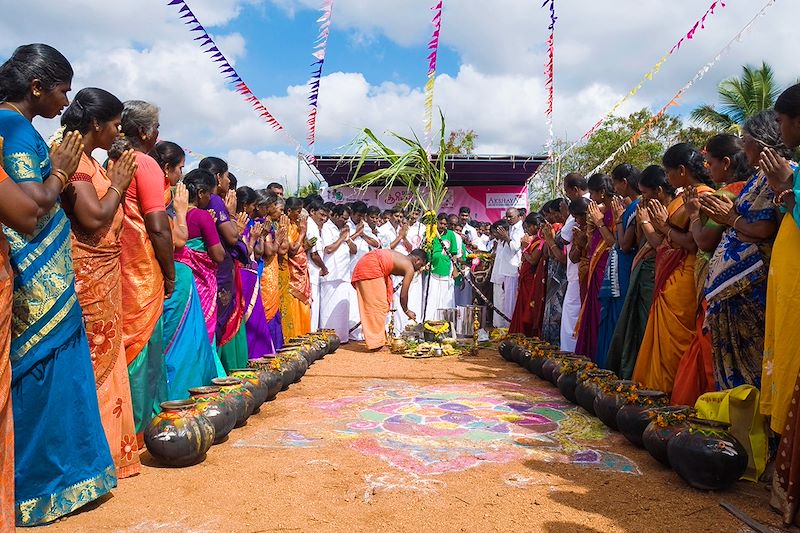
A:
x,y
376,442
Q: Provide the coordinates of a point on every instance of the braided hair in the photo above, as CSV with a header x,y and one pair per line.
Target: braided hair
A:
x,y
686,155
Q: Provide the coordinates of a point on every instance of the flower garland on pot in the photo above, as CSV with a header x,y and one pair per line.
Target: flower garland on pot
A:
x,y
665,419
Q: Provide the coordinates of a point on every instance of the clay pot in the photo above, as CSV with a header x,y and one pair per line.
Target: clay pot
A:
x,y
301,348
536,365
505,349
333,340
606,404
561,359
655,438
253,382
633,419
210,403
517,353
274,377
241,398
586,390
707,455
179,435
567,383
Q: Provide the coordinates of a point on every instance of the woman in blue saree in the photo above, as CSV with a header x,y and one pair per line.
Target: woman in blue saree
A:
x,y
620,259
62,456
189,354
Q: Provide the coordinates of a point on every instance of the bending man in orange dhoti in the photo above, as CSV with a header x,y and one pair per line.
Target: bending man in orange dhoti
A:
x,y
372,280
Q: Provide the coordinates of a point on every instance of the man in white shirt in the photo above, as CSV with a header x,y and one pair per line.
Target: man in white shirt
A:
x,y
416,236
497,278
483,242
365,241
509,257
468,230
393,235
334,290
575,187
316,266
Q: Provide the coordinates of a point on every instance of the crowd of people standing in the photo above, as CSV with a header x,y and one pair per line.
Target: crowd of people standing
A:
x,y
123,283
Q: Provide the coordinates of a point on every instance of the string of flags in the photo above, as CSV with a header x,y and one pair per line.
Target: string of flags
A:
x,y
433,46
627,145
320,46
699,24
548,77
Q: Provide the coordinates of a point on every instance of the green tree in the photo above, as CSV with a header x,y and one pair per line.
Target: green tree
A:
x,y
309,188
654,141
461,142
742,97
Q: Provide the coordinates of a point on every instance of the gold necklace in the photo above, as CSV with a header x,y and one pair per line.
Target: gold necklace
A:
x,y
15,108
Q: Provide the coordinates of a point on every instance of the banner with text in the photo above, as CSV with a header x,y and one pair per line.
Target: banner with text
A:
x,y
486,204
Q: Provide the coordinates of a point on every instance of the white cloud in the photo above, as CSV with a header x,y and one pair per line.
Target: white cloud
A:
x,y
140,50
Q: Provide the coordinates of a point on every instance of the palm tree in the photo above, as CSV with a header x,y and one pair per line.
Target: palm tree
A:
x,y
741,97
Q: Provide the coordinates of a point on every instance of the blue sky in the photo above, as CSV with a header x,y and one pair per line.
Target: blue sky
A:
x,y
490,75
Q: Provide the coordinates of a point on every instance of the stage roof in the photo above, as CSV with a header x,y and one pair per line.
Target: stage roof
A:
x,y
462,170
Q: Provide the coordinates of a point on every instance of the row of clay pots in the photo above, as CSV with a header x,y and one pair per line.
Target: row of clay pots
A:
x,y
703,452
184,430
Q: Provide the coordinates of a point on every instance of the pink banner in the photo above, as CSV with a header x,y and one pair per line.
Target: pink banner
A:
x,y
486,204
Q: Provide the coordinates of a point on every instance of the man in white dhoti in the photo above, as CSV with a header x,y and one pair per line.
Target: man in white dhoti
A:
x,y
334,288
316,266
576,188
497,276
416,236
365,241
393,235
509,256
441,287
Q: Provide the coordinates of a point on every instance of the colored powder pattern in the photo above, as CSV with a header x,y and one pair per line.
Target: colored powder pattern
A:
x,y
436,429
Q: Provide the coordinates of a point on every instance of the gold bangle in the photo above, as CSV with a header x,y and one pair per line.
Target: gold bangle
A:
x,y
669,234
62,176
113,188
735,221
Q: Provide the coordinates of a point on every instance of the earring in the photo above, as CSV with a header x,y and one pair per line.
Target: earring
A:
x,y
37,93
144,138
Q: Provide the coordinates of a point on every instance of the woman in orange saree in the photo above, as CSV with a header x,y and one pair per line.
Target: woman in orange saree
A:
x,y
148,268
92,203
270,207
672,321
727,164
295,283
18,211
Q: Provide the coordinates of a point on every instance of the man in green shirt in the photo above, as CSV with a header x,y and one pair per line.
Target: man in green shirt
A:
x,y
441,289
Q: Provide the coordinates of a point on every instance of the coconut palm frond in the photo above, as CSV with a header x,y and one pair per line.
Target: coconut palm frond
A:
x,y
741,97
715,120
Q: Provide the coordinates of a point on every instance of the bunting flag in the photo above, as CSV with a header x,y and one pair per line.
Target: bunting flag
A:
x,y
320,45
689,35
433,46
208,46
548,77
627,145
